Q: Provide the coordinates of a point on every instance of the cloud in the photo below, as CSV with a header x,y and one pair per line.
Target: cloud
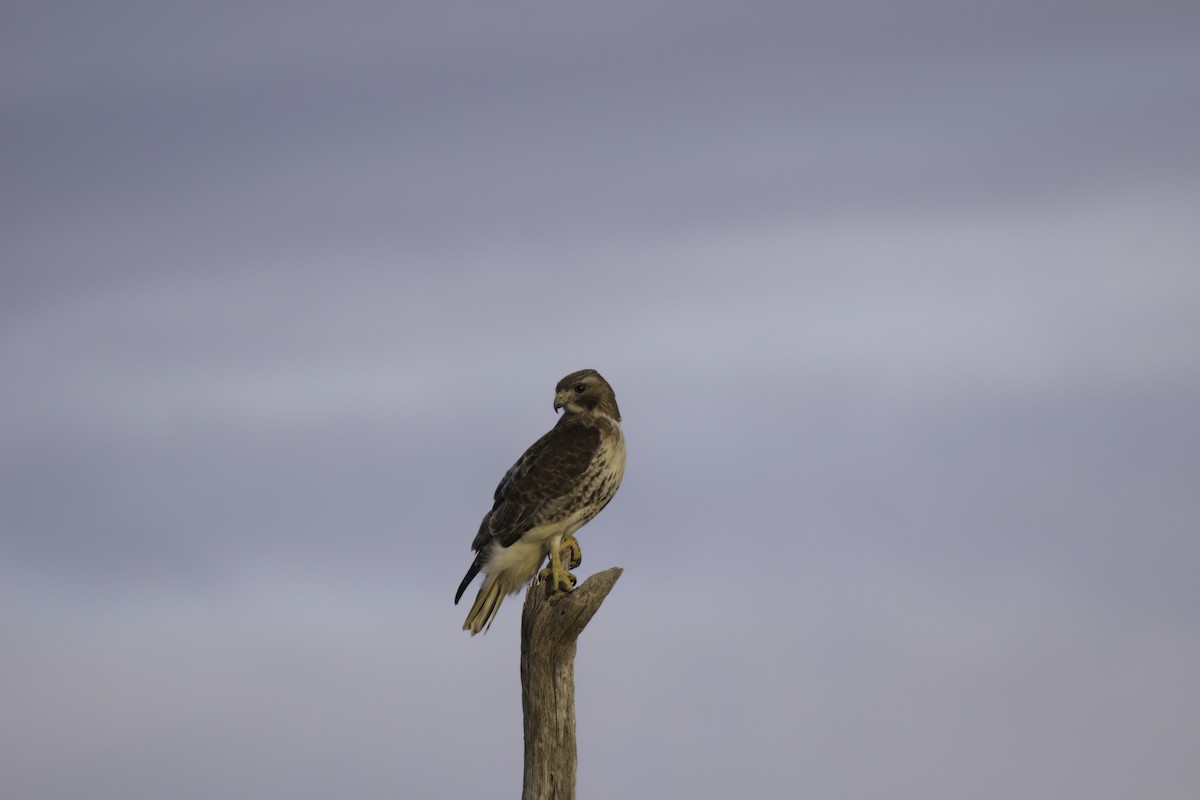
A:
x,y
900,303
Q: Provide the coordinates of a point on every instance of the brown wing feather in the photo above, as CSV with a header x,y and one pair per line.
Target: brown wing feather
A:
x,y
549,469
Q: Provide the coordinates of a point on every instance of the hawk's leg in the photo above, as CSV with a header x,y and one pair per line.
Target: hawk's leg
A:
x,y
561,580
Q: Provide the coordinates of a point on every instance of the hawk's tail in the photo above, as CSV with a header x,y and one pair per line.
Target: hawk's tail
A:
x,y
487,603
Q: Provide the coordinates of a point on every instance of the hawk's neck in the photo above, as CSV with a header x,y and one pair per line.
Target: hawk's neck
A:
x,y
592,419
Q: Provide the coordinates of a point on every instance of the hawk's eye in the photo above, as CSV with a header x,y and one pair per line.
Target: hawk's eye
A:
x,y
579,387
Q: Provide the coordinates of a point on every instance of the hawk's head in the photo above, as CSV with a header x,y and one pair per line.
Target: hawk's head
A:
x,y
586,392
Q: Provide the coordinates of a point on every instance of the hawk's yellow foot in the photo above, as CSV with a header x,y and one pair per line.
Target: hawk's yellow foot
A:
x,y
560,579
572,544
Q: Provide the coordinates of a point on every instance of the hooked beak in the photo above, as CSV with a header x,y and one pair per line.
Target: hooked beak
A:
x,y
560,400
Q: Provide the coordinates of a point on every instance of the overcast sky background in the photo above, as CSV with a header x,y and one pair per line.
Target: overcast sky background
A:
x,y
901,302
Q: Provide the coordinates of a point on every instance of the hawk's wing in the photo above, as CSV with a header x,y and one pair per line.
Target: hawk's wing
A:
x,y
548,470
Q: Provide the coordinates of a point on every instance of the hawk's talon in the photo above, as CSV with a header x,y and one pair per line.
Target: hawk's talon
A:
x,y
560,579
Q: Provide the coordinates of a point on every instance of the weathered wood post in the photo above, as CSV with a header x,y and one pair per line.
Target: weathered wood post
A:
x,y
550,626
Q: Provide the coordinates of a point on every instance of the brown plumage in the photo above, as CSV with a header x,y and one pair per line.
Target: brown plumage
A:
x,y
560,483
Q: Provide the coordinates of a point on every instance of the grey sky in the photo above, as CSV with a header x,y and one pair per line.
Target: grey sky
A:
x,y
901,302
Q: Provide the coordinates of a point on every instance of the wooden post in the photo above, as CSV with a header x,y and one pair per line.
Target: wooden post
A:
x,y
550,626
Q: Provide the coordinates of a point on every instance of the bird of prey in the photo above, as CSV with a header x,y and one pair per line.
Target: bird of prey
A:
x,y
561,482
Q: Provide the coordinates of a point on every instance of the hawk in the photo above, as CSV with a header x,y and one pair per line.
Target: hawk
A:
x,y
561,482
